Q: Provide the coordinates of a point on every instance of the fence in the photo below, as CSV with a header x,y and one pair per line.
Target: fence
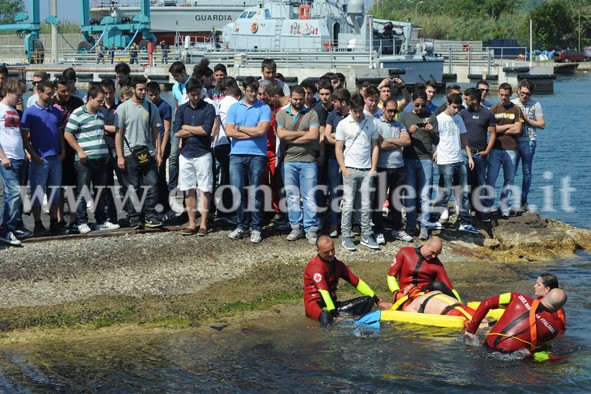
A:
x,y
12,49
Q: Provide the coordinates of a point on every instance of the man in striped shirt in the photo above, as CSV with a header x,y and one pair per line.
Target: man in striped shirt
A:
x,y
85,134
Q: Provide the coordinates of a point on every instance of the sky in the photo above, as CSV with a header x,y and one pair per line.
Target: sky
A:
x,y
67,10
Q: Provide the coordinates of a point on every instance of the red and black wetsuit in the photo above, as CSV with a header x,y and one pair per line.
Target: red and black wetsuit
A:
x,y
518,328
320,275
411,268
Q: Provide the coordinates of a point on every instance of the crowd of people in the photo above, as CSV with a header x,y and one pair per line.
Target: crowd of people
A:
x,y
312,158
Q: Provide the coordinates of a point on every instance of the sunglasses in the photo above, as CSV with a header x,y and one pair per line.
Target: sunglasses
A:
x,y
391,111
419,105
484,90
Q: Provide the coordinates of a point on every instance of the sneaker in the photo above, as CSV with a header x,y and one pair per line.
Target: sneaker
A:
x,y
282,226
312,237
255,237
237,234
10,239
55,228
444,215
72,229
83,228
468,228
40,230
136,225
153,223
295,234
505,215
432,226
107,226
334,231
380,239
348,244
356,229
401,236
424,234
22,233
369,242
483,217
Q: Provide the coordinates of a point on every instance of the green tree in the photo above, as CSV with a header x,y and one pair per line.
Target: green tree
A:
x,y
554,24
9,9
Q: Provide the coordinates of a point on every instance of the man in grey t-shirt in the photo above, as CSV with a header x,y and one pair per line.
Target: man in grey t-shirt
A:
x,y
391,172
135,119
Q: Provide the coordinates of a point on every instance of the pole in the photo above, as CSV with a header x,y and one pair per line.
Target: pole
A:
x,y
579,31
531,42
54,33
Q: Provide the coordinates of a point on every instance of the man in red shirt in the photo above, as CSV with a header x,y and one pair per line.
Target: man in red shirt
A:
x,y
422,268
527,323
321,278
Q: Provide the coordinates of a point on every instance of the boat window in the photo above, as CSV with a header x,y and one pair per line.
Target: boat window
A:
x,y
251,14
243,15
267,14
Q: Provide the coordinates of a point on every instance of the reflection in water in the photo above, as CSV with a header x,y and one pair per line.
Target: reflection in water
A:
x,y
293,354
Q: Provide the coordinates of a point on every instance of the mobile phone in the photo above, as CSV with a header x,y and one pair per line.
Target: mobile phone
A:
x,y
421,124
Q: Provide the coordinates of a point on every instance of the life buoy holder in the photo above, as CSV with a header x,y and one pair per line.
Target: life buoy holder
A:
x,y
254,28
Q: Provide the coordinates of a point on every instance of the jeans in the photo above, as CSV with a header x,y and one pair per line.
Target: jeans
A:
x,y
448,171
496,159
301,180
525,152
173,163
93,172
142,181
222,156
46,174
388,185
163,192
419,180
246,171
14,178
357,184
335,190
476,180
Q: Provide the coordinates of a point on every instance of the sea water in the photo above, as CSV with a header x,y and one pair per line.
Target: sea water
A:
x,y
292,354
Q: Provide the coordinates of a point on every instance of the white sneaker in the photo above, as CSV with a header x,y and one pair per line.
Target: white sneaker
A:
x,y
255,237
468,228
380,239
10,239
401,235
295,234
444,216
107,226
432,226
83,228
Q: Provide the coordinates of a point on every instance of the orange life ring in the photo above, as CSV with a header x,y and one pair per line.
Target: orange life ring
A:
x,y
254,28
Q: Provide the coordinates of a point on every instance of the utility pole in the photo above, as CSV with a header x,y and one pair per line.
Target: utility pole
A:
x,y
54,33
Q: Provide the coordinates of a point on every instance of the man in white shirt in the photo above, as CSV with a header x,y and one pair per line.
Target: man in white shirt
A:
x,y
452,136
358,134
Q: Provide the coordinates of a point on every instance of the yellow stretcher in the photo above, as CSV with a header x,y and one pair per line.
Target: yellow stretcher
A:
x,y
435,320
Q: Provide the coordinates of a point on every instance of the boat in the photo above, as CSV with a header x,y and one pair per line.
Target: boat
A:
x,y
342,29
442,321
173,20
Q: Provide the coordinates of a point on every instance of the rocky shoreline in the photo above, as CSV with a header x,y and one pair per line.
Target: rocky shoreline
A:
x,y
165,279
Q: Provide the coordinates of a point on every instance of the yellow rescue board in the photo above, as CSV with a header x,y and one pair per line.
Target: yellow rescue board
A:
x,y
425,319
493,314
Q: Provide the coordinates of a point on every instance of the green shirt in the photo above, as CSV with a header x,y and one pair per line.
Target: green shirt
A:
x,y
89,130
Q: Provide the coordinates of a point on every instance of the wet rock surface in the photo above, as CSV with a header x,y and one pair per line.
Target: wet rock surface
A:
x,y
128,277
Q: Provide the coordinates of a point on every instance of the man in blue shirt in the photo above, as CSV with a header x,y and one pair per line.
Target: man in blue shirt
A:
x,y
247,124
179,94
193,123
44,125
165,111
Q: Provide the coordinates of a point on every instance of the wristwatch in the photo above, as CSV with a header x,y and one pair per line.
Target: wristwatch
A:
x,y
238,127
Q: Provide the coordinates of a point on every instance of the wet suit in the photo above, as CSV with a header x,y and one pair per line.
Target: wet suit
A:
x,y
519,327
412,269
320,284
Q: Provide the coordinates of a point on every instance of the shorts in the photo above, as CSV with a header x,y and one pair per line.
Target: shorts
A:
x,y
46,178
196,173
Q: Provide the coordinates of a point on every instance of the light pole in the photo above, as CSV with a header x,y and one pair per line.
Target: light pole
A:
x,y
417,9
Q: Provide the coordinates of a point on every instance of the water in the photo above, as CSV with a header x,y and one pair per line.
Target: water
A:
x,y
289,353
